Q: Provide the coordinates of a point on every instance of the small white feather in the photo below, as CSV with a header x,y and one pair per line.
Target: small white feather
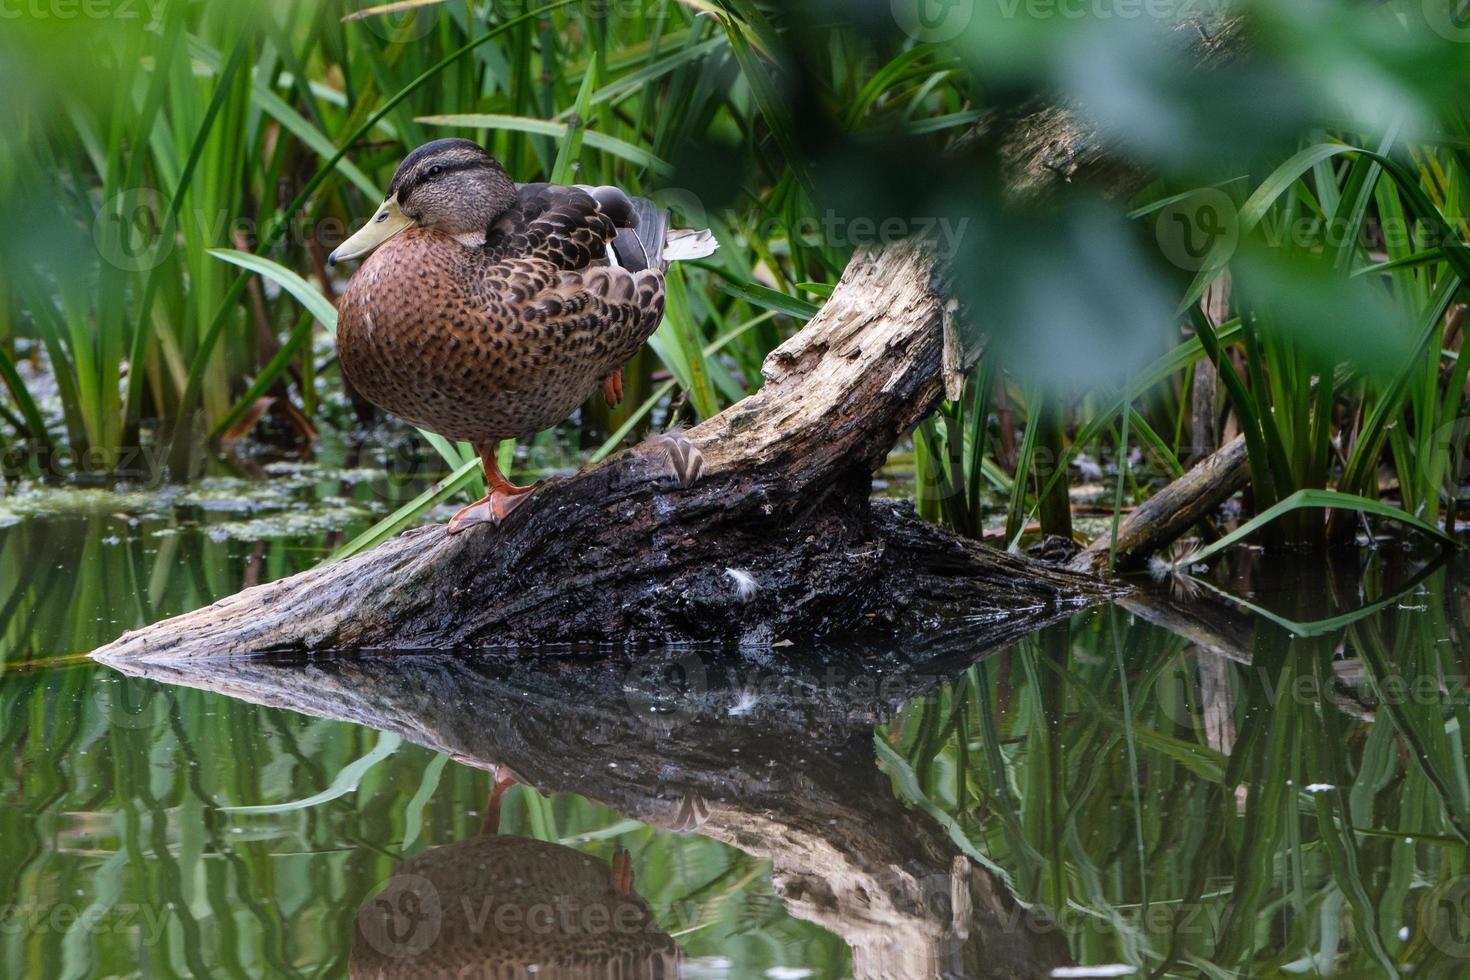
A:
x,y
745,702
745,584
685,243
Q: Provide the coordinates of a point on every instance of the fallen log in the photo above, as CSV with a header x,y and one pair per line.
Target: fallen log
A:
x,y
777,540
1170,512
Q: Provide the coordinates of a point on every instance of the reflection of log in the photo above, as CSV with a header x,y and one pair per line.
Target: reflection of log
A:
x,y
1203,620
779,764
619,552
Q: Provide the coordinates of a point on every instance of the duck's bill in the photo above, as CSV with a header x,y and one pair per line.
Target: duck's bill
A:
x,y
388,221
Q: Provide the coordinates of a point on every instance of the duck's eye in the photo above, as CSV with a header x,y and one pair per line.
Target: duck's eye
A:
x,y
436,170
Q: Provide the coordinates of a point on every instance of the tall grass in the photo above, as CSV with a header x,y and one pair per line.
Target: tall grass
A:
x,y
274,130
271,129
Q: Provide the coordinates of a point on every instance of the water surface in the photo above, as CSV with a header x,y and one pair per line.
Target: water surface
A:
x,y
1176,785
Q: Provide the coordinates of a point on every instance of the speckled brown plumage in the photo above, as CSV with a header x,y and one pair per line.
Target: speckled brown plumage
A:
x,y
509,907
492,342
486,311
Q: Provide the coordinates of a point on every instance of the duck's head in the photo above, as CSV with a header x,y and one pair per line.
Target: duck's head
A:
x,y
453,186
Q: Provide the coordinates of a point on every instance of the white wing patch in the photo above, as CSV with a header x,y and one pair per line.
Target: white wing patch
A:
x,y
685,243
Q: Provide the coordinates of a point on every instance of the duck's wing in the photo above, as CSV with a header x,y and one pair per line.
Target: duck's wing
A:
x,y
580,269
642,236
570,227
551,290
615,308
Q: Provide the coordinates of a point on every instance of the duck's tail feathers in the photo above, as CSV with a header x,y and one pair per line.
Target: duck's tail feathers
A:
x,y
639,242
649,243
686,243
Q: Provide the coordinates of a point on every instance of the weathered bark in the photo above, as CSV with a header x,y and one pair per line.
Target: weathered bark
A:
x,y
777,761
1171,511
620,553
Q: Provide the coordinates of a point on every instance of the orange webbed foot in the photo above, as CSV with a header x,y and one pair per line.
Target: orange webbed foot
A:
x,y
612,387
491,509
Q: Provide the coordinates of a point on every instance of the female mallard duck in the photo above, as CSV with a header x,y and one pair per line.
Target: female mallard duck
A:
x,y
503,906
488,310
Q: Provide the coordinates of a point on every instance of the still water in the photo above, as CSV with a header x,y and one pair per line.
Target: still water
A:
x,y
1183,784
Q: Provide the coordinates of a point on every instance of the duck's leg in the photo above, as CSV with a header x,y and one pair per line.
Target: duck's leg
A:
x,y
501,500
612,387
504,780
622,872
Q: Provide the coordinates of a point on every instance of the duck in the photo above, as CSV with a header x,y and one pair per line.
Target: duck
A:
x,y
485,310
501,905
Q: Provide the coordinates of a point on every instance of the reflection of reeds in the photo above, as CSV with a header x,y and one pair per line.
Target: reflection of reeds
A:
x,y
126,817
113,793
1169,824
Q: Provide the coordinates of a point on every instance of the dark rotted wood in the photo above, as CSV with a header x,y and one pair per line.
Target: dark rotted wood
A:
x,y
620,553
776,758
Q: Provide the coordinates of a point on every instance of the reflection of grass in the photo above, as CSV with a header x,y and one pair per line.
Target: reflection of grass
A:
x,y
1186,813
206,827
118,793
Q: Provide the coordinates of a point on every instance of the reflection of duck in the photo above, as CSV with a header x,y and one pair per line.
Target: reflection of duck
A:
x,y
487,310
510,907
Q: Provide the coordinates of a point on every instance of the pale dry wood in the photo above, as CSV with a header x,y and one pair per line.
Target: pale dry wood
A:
x,y
1170,512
